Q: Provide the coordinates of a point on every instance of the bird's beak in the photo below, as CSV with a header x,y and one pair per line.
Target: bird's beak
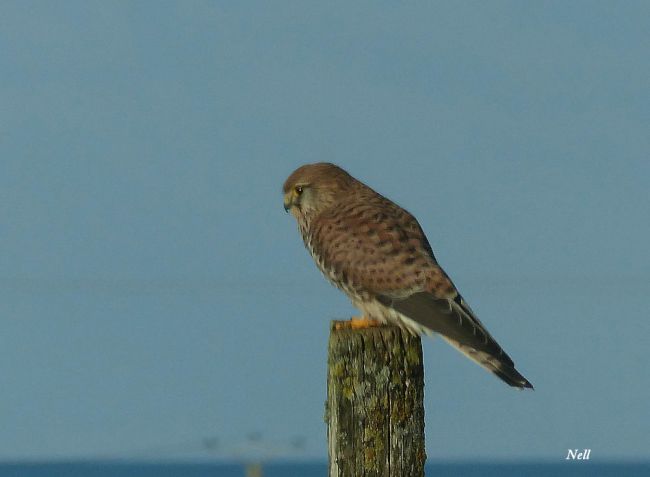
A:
x,y
288,201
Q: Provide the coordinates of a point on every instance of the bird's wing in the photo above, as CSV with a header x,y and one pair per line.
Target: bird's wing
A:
x,y
375,246
457,324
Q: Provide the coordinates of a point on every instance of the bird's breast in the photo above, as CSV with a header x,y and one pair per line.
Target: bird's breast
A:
x,y
333,273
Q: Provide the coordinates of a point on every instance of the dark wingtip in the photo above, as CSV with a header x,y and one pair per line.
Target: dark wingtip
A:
x,y
528,385
521,384
512,377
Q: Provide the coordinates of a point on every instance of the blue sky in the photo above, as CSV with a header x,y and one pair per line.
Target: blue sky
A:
x,y
154,292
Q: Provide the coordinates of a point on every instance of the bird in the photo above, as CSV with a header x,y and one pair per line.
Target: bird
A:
x,y
377,254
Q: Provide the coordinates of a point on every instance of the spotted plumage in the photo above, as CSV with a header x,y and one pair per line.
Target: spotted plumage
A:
x,y
377,254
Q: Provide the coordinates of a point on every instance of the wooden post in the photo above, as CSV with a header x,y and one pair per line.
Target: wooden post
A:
x,y
374,409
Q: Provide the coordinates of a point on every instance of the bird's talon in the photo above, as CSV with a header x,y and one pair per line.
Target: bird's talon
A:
x,y
359,322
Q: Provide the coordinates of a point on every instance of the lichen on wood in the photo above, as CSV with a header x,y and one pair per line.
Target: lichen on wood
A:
x,y
374,408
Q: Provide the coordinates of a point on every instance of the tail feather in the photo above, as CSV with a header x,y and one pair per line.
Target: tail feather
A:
x,y
454,320
502,369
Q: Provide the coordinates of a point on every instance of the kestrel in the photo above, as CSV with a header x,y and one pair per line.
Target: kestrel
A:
x,y
377,254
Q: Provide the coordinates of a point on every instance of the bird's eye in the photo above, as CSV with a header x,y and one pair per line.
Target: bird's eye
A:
x,y
298,190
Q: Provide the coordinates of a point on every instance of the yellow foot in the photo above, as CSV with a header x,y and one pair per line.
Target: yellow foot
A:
x,y
357,322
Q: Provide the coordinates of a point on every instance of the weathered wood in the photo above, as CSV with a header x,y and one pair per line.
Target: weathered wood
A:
x,y
374,409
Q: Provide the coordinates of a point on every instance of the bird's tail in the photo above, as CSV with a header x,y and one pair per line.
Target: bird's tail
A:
x,y
502,368
454,320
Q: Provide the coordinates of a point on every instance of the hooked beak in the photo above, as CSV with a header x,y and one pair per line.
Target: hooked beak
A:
x,y
288,202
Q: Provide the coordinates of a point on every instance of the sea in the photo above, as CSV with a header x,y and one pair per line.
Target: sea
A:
x,y
315,469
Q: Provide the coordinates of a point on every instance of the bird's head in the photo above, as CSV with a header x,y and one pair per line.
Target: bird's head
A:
x,y
313,188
